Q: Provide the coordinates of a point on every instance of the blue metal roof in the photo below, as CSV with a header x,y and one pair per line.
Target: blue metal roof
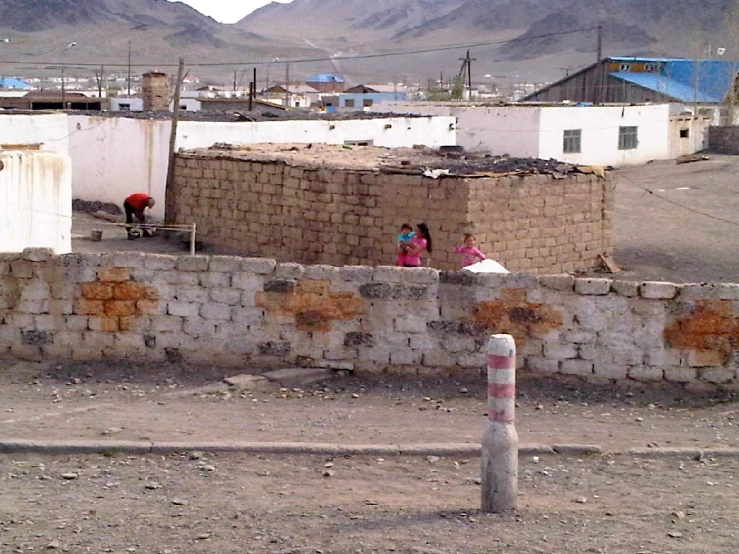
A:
x,y
703,81
324,78
9,82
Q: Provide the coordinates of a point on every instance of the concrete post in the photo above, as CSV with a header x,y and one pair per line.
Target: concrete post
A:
x,y
500,441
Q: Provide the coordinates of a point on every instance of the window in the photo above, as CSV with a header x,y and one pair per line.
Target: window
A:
x,y
684,133
571,142
349,103
651,67
627,138
624,67
367,102
124,107
359,142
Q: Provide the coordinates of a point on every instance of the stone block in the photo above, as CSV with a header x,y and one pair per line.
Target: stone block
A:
x,y
192,263
37,254
388,274
709,291
646,373
166,324
35,290
536,364
628,289
421,275
593,287
103,324
377,354
32,306
183,309
289,271
216,312
614,371
558,351
562,282
160,262
274,348
114,274
356,274
705,358
663,357
182,278
200,330
717,375
576,367
228,296
473,360
405,357
248,316
260,266
410,324
458,344
129,259
359,339
321,272
225,264
22,269
656,290
680,374
118,308
247,282
212,279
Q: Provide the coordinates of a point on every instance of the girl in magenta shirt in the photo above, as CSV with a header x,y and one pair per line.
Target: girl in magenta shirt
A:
x,y
470,254
421,241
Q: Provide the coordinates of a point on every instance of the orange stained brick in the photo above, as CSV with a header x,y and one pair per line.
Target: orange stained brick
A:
x,y
712,328
104,324
134,291
114,274
118,308
513,315
83,306
97,291
312,304
132,323
147,307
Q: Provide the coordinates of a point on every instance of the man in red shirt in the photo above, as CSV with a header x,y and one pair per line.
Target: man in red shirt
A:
x,y
135,205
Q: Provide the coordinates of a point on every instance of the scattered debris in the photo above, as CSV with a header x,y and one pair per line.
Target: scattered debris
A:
x,y
690,158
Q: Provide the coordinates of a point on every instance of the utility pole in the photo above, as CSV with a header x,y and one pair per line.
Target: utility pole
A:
x,y
170,195
64,99
129,69
287,84
467,65
599,73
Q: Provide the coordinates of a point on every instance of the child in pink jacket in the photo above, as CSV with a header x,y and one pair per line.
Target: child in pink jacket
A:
x,y
470,254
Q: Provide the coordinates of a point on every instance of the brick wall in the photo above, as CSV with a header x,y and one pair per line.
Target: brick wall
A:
x,y
253,312
350,216
723,140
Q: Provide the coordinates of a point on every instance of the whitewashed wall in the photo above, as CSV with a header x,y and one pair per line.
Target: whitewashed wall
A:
x,y
537,131
35,201
47,131
600,129
114,157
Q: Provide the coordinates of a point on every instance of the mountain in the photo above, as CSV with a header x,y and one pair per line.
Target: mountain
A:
x,y
380,41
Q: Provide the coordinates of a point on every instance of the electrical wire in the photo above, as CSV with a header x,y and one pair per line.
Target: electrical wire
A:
x,y
678,204
312,60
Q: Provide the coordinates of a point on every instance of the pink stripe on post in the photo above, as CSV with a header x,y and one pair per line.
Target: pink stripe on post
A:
x,y
501,362
496,390
502,416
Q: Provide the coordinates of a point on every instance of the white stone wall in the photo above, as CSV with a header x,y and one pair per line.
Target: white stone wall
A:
x,y
35,201
257,313
114,157
42,131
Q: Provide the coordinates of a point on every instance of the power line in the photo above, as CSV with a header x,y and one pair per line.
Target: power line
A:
x,y
330,58
678,204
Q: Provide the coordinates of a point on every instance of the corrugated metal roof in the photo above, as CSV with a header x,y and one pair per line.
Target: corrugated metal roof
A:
x,y
9,82
324,78
703,81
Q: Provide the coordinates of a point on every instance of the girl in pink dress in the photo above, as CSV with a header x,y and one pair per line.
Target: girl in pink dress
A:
x,y
470,254
421,241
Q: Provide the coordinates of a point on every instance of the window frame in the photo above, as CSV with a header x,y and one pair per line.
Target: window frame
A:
x,y
628,137
572,141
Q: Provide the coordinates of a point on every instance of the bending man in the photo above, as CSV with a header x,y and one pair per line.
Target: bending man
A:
x,y
135,205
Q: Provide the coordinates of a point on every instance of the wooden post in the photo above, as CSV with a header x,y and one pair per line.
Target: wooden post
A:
x,y
170,197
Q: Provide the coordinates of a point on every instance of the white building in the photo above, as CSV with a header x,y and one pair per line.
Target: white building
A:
x,y
588,135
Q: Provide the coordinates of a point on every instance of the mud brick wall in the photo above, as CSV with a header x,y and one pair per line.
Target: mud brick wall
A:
x,y
723,140
532,223
257,313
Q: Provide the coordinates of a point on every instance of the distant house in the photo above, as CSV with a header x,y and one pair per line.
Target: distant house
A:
x,y
54,100
298,95
238,104
363,96
634,80
325,82
13,84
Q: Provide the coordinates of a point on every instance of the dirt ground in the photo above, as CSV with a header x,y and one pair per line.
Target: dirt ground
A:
x,y
191,502
195,502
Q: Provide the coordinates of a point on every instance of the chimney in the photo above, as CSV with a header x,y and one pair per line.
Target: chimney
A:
x,y
156,92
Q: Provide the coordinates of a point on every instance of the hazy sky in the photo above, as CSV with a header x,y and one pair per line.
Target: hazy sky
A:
x,y
228,11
